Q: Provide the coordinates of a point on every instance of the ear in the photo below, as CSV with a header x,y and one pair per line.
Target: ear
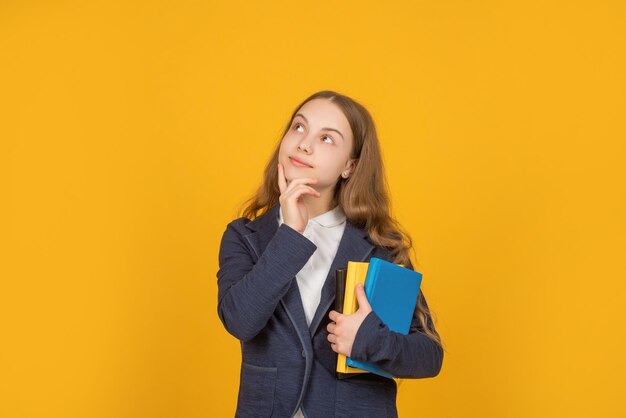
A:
x,y
351,166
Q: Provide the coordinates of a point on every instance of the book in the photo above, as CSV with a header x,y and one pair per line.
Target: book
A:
x,y
340,291
392,292
345,302
355,273
340,288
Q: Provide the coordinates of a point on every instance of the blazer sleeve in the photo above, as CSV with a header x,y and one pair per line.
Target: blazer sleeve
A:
x,y
405,356
248,293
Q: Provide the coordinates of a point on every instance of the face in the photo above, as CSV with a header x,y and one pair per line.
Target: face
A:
x,y
320,136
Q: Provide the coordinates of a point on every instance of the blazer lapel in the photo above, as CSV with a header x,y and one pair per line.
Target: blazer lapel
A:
x,y
265,227
352,247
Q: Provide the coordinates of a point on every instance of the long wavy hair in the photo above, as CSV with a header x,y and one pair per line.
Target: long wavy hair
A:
x,y
363,196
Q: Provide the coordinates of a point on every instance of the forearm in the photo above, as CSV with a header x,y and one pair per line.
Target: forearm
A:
x,y
249,293
407,356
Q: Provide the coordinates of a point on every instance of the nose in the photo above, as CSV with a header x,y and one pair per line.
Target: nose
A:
x,y
304,146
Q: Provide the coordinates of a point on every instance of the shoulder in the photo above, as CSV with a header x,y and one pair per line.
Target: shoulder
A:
x,y
237,227
379,251
384,253
238,224
264,220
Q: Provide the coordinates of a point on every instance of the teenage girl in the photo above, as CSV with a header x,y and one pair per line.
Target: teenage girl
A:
x,y
323,202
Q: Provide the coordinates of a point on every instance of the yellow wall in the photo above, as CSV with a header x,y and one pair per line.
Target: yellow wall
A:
x,y
131,132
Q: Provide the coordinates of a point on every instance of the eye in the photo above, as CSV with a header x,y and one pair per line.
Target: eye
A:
x,y
328,136
296,125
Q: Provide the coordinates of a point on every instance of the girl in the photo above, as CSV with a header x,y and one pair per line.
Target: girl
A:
x,y
323,203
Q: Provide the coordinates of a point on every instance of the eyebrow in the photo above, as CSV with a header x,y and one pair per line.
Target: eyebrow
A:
x,y
325,129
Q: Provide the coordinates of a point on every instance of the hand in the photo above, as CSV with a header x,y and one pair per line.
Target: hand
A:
x,y
343,329
295,213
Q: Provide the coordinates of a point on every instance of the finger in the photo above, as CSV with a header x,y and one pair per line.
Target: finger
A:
x,y
331,327
302,180
334,348
334,315
298,191
361,298
282,181
332,338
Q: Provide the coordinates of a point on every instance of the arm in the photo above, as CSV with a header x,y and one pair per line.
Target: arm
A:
x,y
405,356
248,293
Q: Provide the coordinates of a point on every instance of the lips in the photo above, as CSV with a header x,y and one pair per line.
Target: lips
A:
x,y
296,160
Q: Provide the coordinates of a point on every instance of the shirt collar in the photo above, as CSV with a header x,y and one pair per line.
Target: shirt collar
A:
x,y
333,217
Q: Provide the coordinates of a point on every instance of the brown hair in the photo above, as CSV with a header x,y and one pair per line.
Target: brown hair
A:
x,y
363,195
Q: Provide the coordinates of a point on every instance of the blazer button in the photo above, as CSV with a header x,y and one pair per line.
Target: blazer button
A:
x,y
303,355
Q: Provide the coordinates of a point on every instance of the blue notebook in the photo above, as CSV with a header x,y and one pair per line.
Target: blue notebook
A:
x,y
392,292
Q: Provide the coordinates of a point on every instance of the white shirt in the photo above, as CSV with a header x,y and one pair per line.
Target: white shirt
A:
x,y
325,231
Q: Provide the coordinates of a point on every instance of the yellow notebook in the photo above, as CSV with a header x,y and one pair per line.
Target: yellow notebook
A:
x,y
356,273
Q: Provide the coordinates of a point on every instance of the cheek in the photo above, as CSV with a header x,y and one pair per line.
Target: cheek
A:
x,y
333,164
282,151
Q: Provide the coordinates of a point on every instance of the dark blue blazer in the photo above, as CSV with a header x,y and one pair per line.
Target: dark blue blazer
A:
x,y
287,364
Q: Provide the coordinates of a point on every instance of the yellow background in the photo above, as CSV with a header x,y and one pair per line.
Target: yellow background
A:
x,y
131,130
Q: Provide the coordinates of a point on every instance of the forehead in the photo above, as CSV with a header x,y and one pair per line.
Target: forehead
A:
x,y
324,113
